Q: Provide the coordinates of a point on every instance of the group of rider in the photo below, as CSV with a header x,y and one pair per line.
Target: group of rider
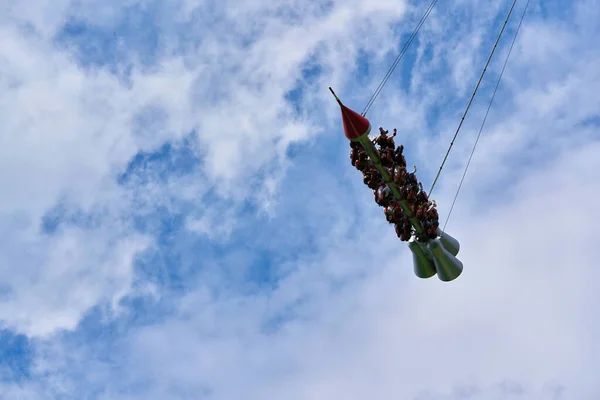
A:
x,y
410,188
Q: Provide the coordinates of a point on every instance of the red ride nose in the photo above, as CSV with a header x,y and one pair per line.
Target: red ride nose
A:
x,y
355,125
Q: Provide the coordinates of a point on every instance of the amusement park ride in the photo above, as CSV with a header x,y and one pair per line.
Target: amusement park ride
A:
x,y
405,203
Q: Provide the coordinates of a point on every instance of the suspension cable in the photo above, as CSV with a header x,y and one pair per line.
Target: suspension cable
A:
x,y
472,97
398,58
486,115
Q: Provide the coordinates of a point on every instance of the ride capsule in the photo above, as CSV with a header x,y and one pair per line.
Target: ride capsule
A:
x,y
434,252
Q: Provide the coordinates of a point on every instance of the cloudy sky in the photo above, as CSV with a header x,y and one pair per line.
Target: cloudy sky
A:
x,y
180,219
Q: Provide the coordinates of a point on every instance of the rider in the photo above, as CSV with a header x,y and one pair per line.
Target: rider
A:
x,y
362,161
422,198
389,213
397,212
407,231
384,141
372,178
354,152
398,175
398,155
382,195
411,178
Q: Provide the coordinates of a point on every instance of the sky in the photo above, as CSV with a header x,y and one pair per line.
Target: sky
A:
x,y
180,219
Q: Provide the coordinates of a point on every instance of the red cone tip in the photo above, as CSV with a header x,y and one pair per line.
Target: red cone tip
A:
x,y
355,125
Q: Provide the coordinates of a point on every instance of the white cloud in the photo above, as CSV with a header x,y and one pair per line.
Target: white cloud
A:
x,y
69,131
520,312
346,321
52,281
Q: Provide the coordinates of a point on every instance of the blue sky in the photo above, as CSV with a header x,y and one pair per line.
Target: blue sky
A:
x,y
180,219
